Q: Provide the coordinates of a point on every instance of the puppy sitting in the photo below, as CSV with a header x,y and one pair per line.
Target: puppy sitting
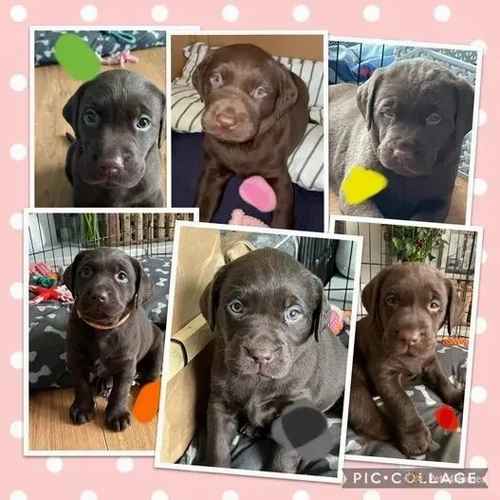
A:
x,y
109,337
407,304
272,348
255,116
408,121
117,119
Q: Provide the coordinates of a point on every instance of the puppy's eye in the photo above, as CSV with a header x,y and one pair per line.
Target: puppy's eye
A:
x,y
388,113
90,118
433,119
259,93
293,314
143,123
236,307
434,305
216,80
391,300
121,277
85,272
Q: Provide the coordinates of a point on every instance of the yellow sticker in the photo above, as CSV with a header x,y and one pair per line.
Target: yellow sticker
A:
x,y
362,183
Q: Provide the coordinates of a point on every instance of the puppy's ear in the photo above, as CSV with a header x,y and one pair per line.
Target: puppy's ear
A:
x,y
71,110
366,96
370,297
200,76
455,306
161,97
209,300
143,286
464,109
69,276
321,314
288,94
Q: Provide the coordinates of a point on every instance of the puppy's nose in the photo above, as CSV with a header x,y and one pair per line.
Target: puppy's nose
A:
x,y
260,355
100,296
111,166
403,154
225,119
410,336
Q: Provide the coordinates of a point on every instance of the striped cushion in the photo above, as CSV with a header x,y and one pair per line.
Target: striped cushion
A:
x,y
306,162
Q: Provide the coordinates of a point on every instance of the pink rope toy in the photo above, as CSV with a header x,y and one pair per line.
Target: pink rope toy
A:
x,y
120,58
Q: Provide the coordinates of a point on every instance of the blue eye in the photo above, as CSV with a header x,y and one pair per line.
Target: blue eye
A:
x,y
143,123
236,307
293,314
90,118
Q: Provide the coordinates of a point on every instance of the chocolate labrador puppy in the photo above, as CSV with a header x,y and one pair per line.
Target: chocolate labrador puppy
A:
x,y
109,337
407,304
408,121
115,159
255,116
272,347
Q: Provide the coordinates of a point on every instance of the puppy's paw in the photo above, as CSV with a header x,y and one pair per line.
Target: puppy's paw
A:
x,y
118,419
81,415
456,398
415,441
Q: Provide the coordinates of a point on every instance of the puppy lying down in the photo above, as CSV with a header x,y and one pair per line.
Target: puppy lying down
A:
x,y
114,160
407,305
272,348
407,121
109,338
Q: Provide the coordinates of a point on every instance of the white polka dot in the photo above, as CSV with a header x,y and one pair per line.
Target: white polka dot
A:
x,y
442,495
18,495
88,13
16,290
16,221
125,464
18,13
16,429
301,13
230,495
481,325
478,462
18,82
371,495
301,495
18,152
159,13
479,394
16,360
159,495
371,13
54,465
480,186
480,44
483,117
442,13
88,495
485,256
230,13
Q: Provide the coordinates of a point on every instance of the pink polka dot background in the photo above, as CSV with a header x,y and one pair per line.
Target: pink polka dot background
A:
x,y
106,479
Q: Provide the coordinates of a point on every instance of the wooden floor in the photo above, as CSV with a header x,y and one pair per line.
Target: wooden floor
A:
x,y
51,428
53,87
458,205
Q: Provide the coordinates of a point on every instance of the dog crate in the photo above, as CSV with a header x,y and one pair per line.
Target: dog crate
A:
x,y
56,238
453,252
333,261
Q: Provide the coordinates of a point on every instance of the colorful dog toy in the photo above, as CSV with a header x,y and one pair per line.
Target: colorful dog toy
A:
x,y
362,183
41,294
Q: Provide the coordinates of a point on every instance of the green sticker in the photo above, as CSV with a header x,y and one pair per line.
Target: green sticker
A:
x,y
76,57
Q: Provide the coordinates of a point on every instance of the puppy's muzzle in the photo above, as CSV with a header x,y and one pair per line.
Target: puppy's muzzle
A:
x,y
262,355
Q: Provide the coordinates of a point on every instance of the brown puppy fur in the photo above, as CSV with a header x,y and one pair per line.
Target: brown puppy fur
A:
x,y
407,304
255,115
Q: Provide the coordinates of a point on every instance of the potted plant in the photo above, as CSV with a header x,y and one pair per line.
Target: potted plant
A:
x,y
415,244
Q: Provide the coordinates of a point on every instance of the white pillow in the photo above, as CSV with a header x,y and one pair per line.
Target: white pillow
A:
x,y
306,162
